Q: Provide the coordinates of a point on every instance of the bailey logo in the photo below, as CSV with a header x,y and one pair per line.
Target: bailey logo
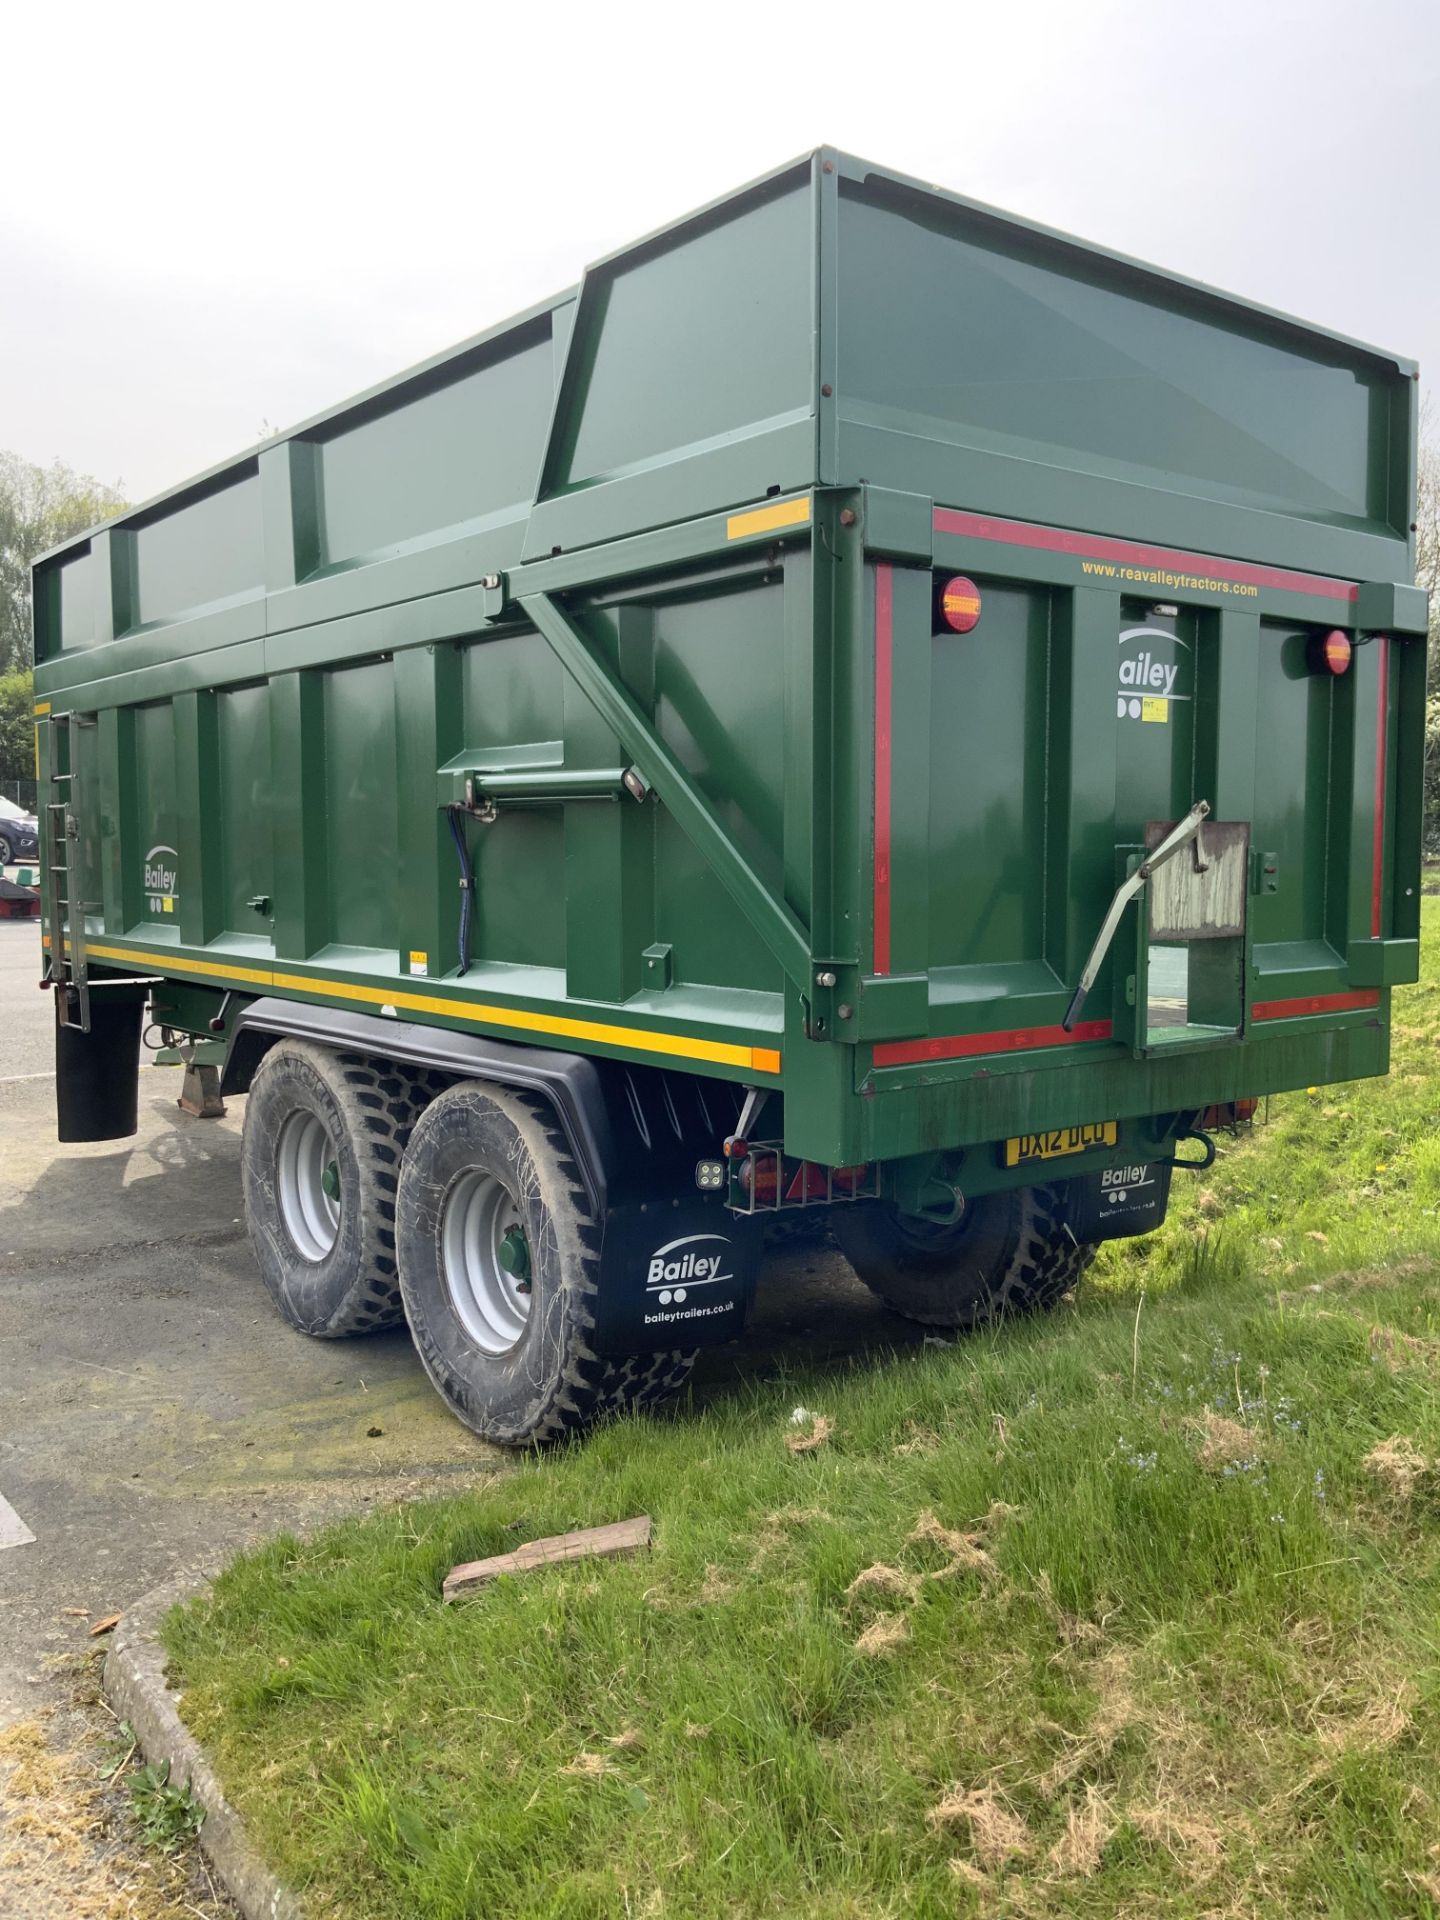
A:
x,y
685,1263
1151,671
1119,1184
162,871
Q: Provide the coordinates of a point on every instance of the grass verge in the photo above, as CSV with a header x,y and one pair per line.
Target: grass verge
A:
x,y
1129,1609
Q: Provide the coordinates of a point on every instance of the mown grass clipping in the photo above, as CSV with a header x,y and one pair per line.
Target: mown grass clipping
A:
x,y
1127,1609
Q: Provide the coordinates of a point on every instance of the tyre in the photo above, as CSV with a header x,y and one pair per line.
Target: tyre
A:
x,y
7,852
499,1268
1008,1253
320,1163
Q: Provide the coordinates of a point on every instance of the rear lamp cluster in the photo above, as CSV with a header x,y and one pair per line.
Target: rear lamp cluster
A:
x,y
957,604
1330,652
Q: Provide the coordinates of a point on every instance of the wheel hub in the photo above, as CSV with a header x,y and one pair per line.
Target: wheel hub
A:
x,y
308,1184
485,1259
514,1256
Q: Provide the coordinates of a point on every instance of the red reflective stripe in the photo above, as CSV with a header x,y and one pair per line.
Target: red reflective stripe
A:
x,y
1382,721
1094,546
962,1046
1361,1002
884,625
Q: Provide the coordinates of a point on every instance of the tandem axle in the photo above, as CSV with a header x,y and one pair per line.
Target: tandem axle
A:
x,y
560,1232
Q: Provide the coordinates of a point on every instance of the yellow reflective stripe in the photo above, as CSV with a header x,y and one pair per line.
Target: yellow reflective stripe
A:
x,y
679,1046
42,707
785,513
175,963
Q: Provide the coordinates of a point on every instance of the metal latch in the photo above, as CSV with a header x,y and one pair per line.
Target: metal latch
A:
x,y
1183,834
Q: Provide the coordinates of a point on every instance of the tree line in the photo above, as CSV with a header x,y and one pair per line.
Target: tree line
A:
x,y
39,507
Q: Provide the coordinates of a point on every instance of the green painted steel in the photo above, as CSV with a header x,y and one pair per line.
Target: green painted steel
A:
x,y
687,522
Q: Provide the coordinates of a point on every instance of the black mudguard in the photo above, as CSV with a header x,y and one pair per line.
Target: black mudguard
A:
x,y
680,1275
97,1074
1118,1202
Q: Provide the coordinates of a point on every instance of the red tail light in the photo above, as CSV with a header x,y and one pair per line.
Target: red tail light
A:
x,y
804,1180
960,604
1330,652
761,1179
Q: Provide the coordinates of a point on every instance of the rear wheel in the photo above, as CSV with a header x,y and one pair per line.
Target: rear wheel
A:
x,y
1008,1253
499,1251
320,1162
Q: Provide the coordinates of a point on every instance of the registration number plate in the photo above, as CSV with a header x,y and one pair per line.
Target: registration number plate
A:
x,y
1059,1142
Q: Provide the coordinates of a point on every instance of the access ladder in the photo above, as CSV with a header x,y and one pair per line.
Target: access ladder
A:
x,y
67,968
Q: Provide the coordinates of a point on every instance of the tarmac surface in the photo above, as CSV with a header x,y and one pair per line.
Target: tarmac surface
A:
x,y
26,1042
155,1411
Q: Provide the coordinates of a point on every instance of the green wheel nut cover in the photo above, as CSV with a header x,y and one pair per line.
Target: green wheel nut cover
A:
x,y
513,1254
330,1181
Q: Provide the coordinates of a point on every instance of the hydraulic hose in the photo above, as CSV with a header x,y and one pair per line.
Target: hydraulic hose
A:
x,y
467,885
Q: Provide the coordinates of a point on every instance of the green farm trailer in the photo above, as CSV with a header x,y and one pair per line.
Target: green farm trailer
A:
x,y
865,704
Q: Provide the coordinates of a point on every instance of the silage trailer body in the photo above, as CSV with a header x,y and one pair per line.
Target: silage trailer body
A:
x,y
722,705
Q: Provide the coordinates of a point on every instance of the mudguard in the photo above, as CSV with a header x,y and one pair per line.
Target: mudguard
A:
x,y
97,1074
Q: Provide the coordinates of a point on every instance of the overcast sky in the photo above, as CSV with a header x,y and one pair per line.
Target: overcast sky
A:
x,y
215,220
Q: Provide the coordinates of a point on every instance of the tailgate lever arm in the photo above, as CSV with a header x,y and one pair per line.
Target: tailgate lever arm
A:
x,y
1179,836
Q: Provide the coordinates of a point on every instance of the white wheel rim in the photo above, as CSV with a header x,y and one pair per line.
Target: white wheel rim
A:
x,y
492,1304
309,1210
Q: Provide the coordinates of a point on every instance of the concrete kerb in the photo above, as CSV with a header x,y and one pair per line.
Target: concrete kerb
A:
x,y
136,1688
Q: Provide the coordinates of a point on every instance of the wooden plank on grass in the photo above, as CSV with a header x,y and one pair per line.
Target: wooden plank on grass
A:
x,y
622,1536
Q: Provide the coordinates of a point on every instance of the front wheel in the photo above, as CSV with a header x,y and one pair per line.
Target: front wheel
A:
x,y
320,1162
499,1251
7,852
1008,1253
